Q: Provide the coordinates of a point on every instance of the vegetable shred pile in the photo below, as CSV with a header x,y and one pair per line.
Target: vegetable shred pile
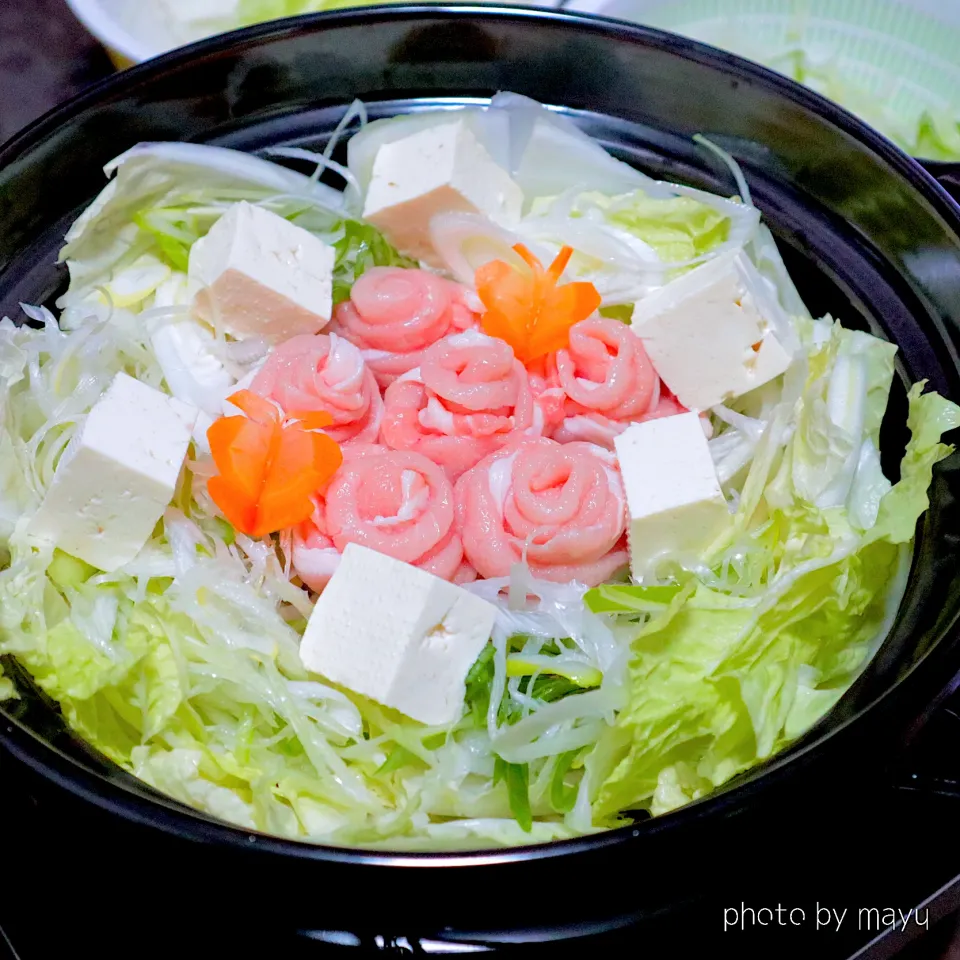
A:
x,y
488,500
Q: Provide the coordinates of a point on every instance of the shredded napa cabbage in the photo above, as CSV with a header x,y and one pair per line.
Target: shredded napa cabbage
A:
x,y
895,98
734,660
631,233
183,666
933,135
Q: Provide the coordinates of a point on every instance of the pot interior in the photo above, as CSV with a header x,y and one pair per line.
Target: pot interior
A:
x,y
863,232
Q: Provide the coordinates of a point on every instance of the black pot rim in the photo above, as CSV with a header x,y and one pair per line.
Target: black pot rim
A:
x,y
173,818
903,163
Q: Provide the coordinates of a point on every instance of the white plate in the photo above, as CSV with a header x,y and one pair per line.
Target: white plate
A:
x,y
136,30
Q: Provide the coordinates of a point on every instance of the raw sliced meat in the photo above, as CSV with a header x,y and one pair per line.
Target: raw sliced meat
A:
x,y
560,506
396,502
394,314
315,558
468,398
321,372
606,379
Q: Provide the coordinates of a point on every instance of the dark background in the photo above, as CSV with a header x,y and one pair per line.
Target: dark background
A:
x,y
45,58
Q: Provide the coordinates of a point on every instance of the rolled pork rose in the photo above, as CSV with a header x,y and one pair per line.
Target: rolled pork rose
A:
x,y
399,503
394,314
322,372
607,380
562,507
469,397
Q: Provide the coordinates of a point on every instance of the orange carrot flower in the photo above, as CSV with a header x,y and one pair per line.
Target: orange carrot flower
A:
x,y
529,310
269,467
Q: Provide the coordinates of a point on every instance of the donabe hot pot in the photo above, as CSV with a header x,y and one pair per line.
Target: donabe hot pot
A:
x,y
869,236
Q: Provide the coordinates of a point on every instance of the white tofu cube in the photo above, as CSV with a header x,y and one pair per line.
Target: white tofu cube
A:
x,y
117,475
260,276
674,502
707,335
397,634
438,170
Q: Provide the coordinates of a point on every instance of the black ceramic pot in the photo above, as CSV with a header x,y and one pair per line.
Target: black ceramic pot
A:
x,y
867,232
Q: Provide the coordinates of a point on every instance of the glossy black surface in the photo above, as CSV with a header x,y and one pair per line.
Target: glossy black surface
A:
x,y
870,237
947,174
122,891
